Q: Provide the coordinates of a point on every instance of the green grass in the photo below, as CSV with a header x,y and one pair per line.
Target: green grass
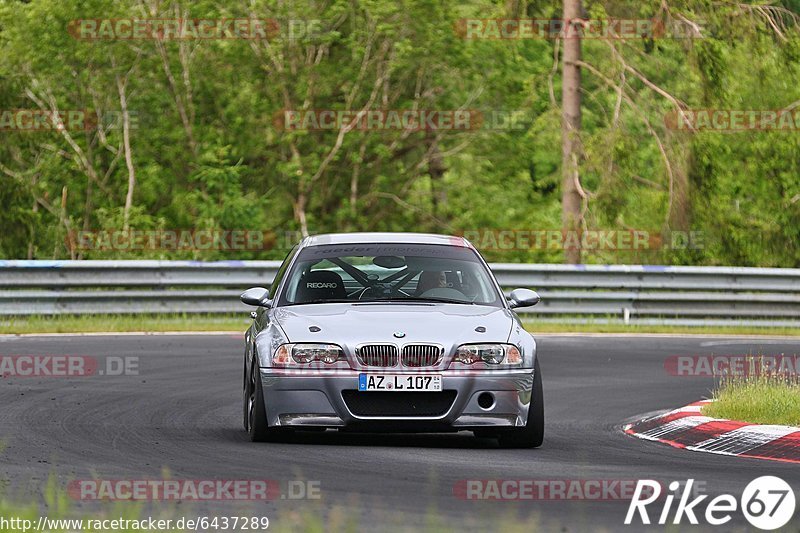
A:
x,y
535,326
56,505
89,323
759,397
308,517
239,323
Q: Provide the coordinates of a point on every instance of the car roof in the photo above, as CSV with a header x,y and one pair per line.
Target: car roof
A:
x,y
384,237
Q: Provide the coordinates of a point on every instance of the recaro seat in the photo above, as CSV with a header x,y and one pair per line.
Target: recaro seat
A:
x,y
321,285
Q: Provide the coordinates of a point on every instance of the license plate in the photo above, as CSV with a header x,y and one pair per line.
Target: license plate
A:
x,y
400,382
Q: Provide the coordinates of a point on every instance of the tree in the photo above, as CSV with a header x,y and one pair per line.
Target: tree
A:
x,y
572,218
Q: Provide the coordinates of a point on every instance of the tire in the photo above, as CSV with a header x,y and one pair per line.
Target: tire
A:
x,y
245,396
532,435
256,412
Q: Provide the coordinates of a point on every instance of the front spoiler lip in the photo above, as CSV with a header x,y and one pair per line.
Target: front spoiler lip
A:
x,y
315,400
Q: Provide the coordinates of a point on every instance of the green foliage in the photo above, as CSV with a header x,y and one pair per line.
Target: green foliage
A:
x,y
761,397
207,150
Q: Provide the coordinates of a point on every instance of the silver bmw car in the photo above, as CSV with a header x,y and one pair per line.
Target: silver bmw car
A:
x,y
390,332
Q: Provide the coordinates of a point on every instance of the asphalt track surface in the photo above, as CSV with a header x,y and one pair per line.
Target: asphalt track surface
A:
x,y
181,415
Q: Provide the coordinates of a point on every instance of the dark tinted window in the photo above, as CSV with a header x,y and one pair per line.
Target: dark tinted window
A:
x,y
389,272
281,272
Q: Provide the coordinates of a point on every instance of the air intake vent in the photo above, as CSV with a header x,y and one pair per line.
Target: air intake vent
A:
x,y
382,355
417,355
407,404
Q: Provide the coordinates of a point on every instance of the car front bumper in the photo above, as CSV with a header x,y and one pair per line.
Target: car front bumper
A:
x,y
312,401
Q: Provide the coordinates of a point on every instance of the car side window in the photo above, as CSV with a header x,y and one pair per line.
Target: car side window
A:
x,y
273,289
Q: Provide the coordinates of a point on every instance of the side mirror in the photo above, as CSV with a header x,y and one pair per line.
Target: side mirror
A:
x,y
256,296
523,298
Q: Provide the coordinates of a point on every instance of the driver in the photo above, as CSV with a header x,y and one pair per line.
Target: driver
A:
x,y
431,279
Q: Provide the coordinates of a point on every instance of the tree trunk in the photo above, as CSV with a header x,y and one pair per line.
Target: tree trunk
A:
x,y
126,142
680,214
570,130
436,170
300,213
35,210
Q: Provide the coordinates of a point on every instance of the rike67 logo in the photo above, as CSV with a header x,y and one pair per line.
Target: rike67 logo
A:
x,y
767,502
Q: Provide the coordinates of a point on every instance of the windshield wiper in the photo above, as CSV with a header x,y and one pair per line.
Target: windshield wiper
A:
x,y
326,301
429,299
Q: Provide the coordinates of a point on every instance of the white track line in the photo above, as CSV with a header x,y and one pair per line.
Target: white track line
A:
x,y
688,336
120,333
743,439
743,341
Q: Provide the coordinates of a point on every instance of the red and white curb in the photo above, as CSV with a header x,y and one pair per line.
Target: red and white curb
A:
x,y
688,428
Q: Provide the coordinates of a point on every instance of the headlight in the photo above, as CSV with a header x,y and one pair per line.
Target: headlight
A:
x,y
491,354
303,354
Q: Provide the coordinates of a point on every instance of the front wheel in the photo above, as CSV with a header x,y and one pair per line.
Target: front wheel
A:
x,y
532,435
256,421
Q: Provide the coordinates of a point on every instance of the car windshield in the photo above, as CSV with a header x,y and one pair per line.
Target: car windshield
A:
x,y
389,273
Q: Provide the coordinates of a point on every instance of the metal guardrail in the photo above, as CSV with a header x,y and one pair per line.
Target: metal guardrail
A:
x,y
577,293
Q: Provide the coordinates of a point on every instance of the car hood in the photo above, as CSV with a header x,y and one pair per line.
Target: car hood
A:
x,y
352,324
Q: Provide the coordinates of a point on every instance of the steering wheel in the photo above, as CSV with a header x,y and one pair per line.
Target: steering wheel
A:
x,y
377,286
385,289
448,293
